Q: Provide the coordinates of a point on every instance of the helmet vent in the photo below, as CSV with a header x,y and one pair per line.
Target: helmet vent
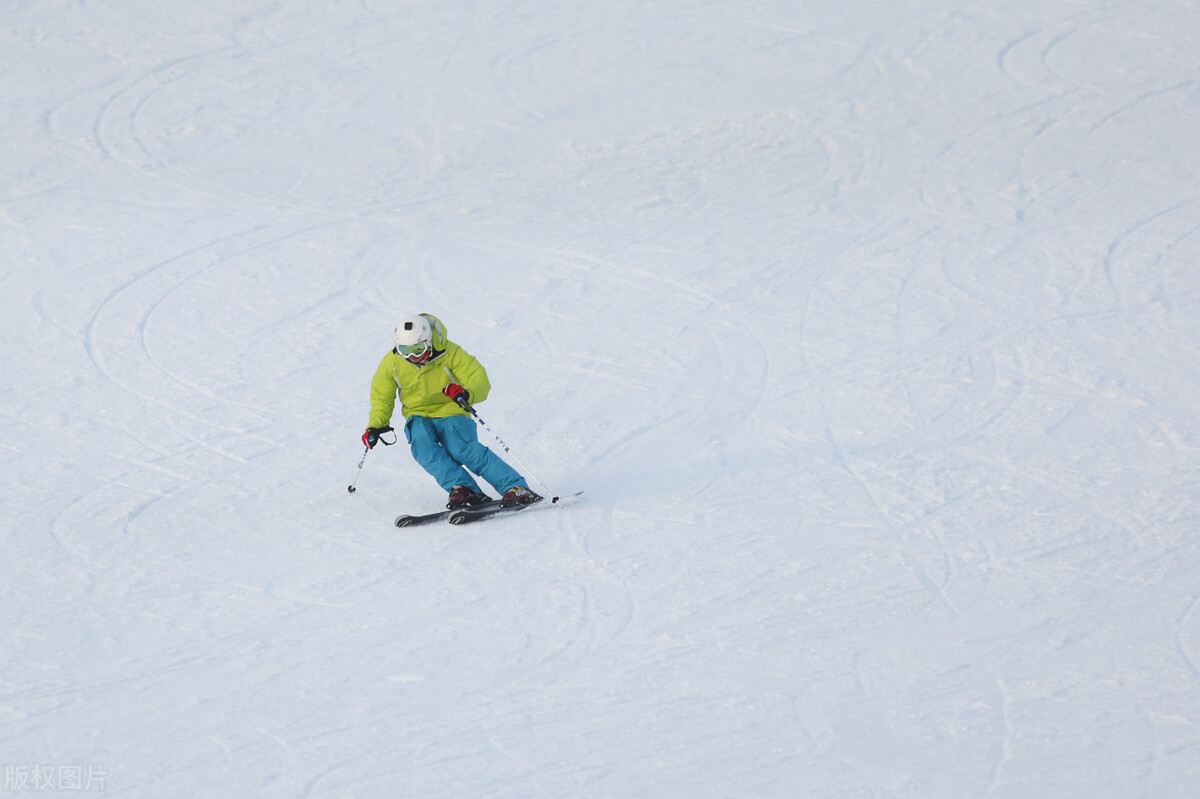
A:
x,y
408,325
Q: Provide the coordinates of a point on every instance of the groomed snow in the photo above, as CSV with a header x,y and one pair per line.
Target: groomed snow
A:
x,y
870,329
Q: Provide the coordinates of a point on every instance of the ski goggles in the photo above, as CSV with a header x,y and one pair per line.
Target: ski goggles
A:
x,y
413,350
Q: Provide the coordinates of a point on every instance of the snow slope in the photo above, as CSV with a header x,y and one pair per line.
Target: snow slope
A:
x,y
870,329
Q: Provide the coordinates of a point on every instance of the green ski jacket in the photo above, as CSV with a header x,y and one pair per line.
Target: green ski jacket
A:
x,y
419,387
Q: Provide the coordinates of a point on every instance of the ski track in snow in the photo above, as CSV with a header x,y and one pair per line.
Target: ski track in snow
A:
x,y
868,330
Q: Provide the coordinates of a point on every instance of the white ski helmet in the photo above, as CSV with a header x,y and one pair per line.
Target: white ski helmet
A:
x,y
414,337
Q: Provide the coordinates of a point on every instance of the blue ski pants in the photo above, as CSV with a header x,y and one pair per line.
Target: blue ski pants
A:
x,y
444,446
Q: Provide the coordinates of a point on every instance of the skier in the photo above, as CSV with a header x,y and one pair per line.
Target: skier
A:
x,y
435,378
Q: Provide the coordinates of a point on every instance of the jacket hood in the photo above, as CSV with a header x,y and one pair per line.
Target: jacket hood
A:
x,y
439,331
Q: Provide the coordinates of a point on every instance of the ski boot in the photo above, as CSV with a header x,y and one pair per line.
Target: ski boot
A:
x,y
518,495
462,496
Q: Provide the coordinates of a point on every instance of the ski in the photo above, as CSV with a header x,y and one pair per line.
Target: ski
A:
x,y
478,512
473,513
426,518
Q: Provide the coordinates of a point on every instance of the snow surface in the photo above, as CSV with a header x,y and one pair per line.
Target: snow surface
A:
x,y
870,329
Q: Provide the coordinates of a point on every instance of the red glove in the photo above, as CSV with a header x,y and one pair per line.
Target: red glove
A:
x,y
457,393
372,436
